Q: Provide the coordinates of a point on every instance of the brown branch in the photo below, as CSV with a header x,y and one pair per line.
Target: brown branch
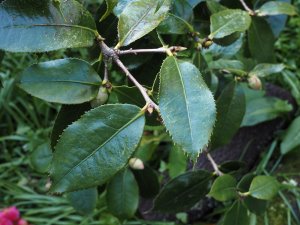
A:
x,y
213,163
246,7
172,49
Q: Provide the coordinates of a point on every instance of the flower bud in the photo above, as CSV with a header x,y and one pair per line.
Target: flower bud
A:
x,y
254,82
136,164
101,98
11,213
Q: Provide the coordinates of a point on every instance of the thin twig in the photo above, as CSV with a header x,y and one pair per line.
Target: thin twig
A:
x,y
251,12
214,164
155,50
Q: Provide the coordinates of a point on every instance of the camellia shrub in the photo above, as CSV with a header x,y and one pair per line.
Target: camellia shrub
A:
x,y
162,83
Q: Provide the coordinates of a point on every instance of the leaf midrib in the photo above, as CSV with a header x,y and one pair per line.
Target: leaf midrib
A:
x,y
59,81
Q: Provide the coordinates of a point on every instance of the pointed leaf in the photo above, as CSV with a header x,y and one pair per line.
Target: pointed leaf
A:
x,y
41,157
66,81
276,8
231,107
291,139
265,69
237,215
264,187
139,18
224,188
110,5
182,192
227,22
186,104
123,195
84,201
39,26
96,147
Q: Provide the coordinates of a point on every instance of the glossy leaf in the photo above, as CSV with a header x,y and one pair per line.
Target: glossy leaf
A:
x,y
227,22
84,201
39,26
123,195
65,81
41,158
224,188
265,69
110,5
174,25
261,46
186,105
182,192
231,107
291,139
113,132
276,8
139,18
264,187
237,215
177,163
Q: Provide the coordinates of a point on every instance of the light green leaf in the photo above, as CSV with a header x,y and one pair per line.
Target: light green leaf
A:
x,y
231,107
65,81
265,69
84,201
110,5
103,139
39,26
186,105
41,157
237,215
139,18
123,195
227,22
264,187
174,25
177,163
122,4
182,192
224,188
276,8
291,139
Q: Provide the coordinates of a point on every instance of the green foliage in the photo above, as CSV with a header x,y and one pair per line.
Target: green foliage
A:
x,y
264,187
223,188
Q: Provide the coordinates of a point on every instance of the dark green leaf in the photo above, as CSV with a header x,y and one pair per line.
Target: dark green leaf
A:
x,y
245,182
84,201
255,205
214,7
261,46
264,187
174,25
231,107
291,139
66,81
123,195
233,66
111,134
224,188
276,8
41,158
182,192
139,18
265,69
233,167
39,26
186,105
110,5
227,22
148,183
177,162
237,215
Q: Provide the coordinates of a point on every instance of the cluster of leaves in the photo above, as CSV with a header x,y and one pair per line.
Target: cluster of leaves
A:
x,y
92,147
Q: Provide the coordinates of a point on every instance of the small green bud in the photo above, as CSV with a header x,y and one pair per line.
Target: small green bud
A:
x,y
254,82
101,98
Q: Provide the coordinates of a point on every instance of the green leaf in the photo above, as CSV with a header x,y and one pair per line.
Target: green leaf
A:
x,y
123,195
264,187
122,4
233,168
41,158
265,69
227,22
186,105
291,139
67,115
174,25
255,205
276,8
177,163
84,201
139,18
65,81
129,95
237,215
111,134
182,192
148,182
231,107
224,188
261,46
264,109
39,26
214,7
110,5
